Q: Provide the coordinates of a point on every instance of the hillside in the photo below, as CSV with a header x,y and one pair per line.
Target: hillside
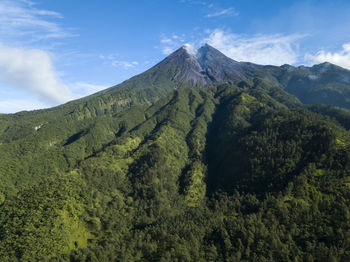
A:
x,y
227,173
181,164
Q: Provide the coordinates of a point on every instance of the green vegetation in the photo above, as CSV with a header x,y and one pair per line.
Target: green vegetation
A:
x,y
227,173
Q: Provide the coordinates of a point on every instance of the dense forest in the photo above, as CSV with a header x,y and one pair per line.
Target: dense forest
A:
x,y
240,172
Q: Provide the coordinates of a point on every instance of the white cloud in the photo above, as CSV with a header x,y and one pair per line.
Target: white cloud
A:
x,y
84,89
260,49
224,12
166,50
341,58
124,64
31,70
167,40
196,2
115,61
190,49
170,44
21,18
16,105
212,8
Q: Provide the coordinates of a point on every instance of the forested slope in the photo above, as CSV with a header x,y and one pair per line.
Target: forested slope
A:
x,y
227,173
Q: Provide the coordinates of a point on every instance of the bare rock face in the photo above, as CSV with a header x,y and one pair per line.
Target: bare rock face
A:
x,y
207,66
187,67
218,67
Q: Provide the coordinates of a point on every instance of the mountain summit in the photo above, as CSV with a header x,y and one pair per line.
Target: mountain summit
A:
x,y
188,67
206,66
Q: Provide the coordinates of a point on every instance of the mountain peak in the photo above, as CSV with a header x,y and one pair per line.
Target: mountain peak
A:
x,y
190,49
197,52
207,47
204,66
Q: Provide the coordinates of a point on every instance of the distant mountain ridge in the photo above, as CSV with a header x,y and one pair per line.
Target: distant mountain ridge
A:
x,y
187,67
204,67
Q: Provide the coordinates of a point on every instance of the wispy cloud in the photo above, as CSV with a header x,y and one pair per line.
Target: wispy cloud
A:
x,y
115,61
124,64
212,8
84,89
196,2
22,18
31,70
224,12
169,44
341,58
261,49
16,105
275,49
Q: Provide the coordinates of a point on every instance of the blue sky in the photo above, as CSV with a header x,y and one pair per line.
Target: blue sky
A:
x,y
55,51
